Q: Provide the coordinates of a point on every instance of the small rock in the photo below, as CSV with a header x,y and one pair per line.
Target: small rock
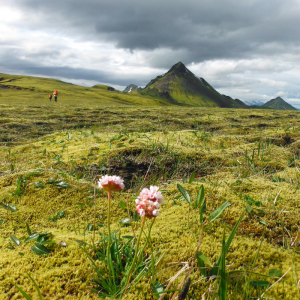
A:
x,y
63,244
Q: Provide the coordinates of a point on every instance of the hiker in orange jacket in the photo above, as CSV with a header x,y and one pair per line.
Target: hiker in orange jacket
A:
x,y
50,97
55,93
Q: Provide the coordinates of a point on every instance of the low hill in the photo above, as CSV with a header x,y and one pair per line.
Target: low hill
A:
x,y
20,89
278,103
180,86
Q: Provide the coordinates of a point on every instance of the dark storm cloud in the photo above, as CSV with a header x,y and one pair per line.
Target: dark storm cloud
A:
x,y
205,29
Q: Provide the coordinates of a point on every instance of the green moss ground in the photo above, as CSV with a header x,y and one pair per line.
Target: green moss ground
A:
x,y
234,153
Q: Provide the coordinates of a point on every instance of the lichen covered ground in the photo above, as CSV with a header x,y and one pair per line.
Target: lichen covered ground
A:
x,y
250,158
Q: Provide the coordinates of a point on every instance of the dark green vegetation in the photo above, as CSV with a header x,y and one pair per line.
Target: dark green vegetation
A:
x,y
180,86
51,153
278,103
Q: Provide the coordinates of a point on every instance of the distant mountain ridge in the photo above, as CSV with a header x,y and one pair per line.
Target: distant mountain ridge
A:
x,y
254,103
180,86
131,88
278,103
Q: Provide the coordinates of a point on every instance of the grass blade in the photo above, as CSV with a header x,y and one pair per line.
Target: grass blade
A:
x,y
184,193
216,213
214,271
40,249
275,273
26,296
158,289
202,211
14,240
260,283
202,267
28,229
202,257
223,285
192,177
200,197
36,287
32,237
62,184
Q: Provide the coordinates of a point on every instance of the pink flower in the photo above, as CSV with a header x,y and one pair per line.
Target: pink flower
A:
x,y
111,183
147,208
152,194
148,202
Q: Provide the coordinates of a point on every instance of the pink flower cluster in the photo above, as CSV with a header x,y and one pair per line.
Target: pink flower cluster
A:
x,y
111,183
148,202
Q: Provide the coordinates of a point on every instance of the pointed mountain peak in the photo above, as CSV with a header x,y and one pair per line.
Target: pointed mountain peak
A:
x,y
180,86
179,67
278,103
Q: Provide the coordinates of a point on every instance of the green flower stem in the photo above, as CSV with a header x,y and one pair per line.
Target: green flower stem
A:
x,y
108,219
109,262
135,253
147,239
94,225
152,258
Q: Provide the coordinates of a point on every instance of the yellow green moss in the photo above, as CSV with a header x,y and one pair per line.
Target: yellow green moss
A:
x,y
233,156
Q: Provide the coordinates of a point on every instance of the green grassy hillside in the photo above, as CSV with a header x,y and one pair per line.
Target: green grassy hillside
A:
x,y
34,90
180,86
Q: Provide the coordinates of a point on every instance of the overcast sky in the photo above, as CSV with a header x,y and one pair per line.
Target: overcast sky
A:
x,y
247,49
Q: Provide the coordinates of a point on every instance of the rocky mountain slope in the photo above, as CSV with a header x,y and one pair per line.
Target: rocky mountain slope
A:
x,y
180,86
131,88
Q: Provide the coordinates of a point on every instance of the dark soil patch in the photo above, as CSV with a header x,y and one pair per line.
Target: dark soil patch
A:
x,y
5,139
18,126
255,116
262,125
41,123
233,120
140,167
253,139
284,141
158,164
214,128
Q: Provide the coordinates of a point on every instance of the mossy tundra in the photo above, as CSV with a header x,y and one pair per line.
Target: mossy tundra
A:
x,y
51,153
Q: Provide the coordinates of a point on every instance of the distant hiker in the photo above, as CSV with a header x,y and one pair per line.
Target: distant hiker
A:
x,y
55,93
50,97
